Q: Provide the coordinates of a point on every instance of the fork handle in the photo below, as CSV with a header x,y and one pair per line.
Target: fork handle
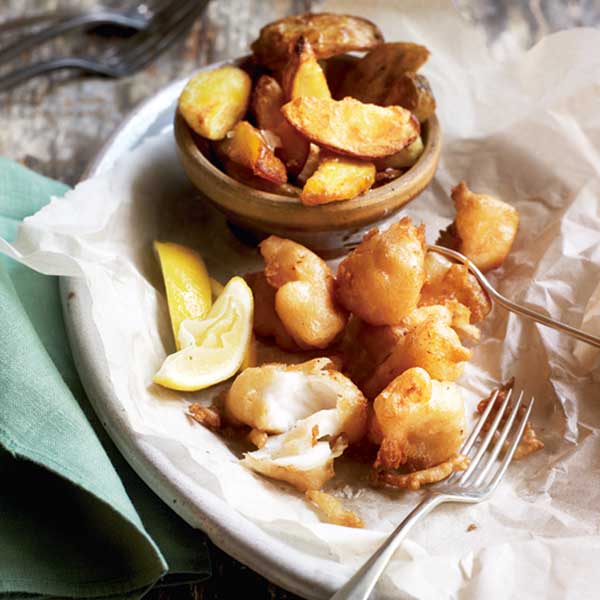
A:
x,y
361,584
67,25
19,75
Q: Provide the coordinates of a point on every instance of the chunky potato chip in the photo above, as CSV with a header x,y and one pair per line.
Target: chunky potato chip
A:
x,y
412,91
328,33
248,147
485,227
338,178
373,75
404,159
303,75
311,164
247,177
386,175
350,127
267,100
212,102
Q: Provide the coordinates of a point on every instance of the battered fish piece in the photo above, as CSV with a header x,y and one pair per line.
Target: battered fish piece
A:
x,y
364,347
304,299
449,283
485,227
431,344
274,397
266,321
315,410
418,422
381,280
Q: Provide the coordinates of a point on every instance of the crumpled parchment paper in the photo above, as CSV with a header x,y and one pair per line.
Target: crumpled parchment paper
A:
x,y
526,130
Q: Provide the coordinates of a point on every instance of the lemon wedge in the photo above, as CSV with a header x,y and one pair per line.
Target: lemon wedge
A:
x,y
214,348
188,286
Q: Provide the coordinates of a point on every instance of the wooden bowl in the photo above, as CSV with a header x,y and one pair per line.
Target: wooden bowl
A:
x,y
326,229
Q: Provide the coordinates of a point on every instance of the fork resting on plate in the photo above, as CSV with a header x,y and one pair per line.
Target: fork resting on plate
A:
x,y
475,484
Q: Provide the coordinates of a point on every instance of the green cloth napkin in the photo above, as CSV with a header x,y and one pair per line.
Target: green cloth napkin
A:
x,y
75,520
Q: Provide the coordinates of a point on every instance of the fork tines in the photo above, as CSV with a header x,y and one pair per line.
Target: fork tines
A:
x,y
497,422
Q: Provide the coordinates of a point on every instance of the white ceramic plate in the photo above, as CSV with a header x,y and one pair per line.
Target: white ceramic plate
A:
x,y
236,535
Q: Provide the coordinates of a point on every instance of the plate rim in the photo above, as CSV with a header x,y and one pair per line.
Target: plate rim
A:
x,y
260,551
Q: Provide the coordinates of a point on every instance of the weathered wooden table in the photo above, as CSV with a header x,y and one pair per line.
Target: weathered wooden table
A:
x,y
56,124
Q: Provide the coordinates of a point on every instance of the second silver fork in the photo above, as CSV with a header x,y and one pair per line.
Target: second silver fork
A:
x,y
475,484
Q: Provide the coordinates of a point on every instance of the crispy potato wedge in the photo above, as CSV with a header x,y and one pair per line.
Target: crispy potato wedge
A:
x,y
485,227
311,164
386,175
350,127
248,147
412,91
246,176
404,159
303,75
267,100
328,33
212,102
372,76
337,178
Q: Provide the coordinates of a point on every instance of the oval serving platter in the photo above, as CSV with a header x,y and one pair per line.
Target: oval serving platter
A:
x,y
297,571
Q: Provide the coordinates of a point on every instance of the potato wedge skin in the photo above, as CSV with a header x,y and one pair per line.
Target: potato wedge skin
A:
x,y
310,165
372,76
248,147
352,128
412,91
404,159
303,75
267,100
337,178
212,102
328,33
247,177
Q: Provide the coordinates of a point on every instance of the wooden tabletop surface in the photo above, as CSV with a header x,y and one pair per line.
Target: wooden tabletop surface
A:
x,y
56,124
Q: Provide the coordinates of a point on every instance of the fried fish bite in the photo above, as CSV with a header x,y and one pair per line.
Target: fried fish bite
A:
x,y
485,227
304,299
381,280
365,346
315,410
266,321
431,344
419,422
274,397
446,282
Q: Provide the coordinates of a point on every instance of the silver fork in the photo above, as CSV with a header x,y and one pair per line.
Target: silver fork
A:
x,y
130,55
513,306
137,18
475,484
